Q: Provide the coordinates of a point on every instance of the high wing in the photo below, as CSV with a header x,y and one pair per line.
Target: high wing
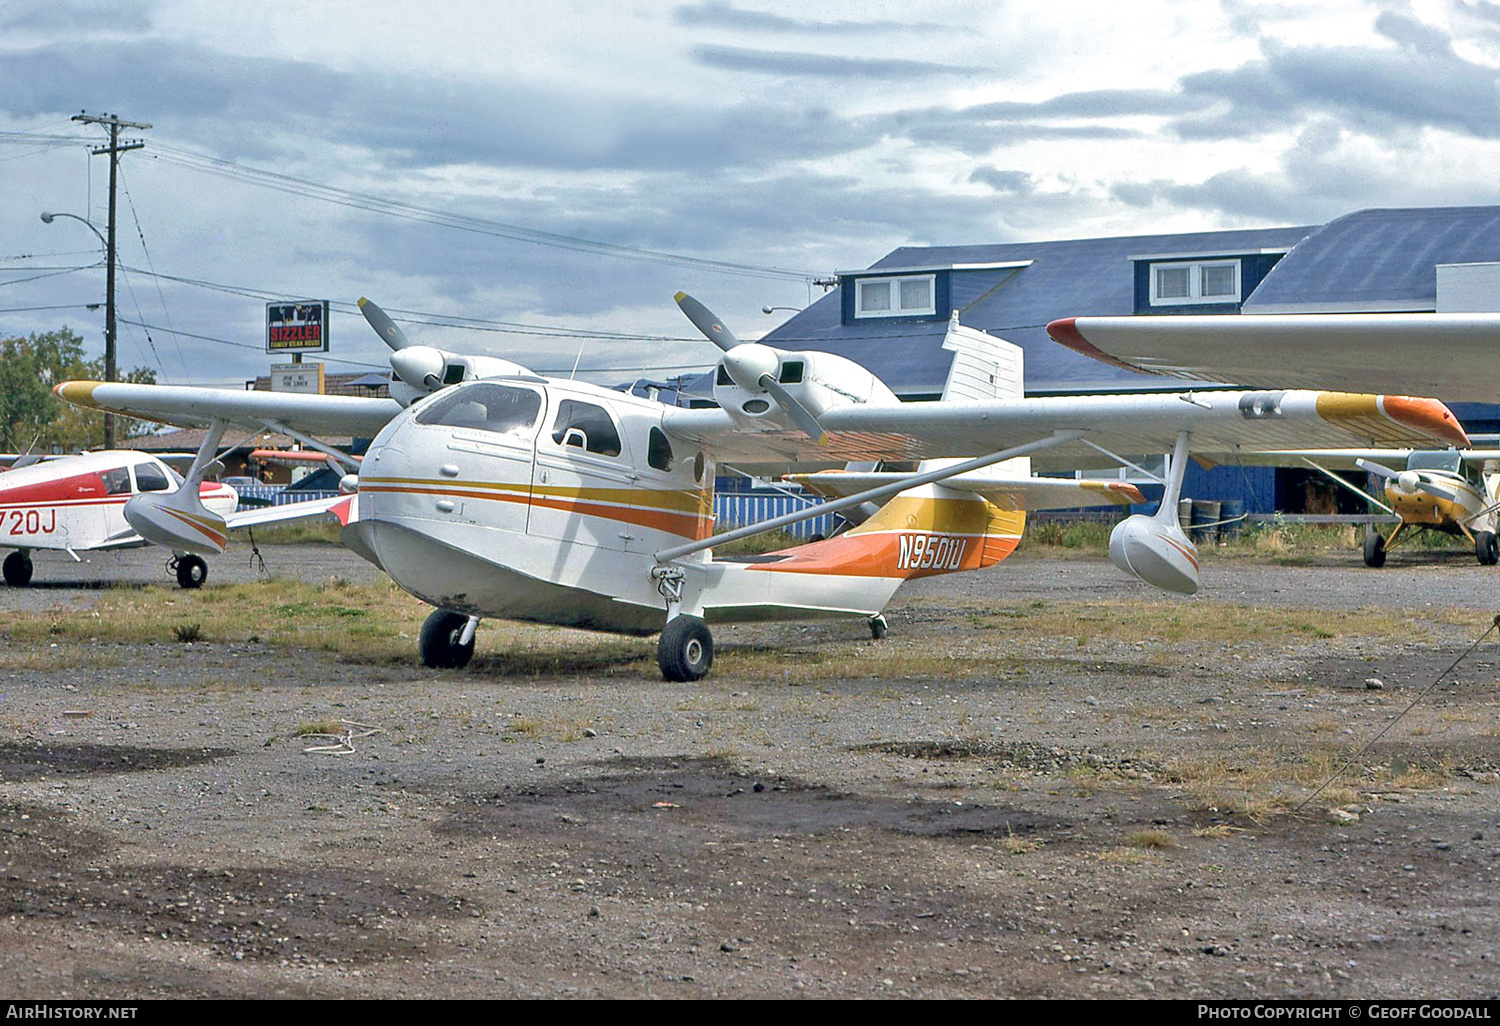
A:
x,y
1219,422
191,406
1456,356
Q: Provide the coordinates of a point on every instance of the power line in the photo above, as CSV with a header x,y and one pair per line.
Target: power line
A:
x,y
462,222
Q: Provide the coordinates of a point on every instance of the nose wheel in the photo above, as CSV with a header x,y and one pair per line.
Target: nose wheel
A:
x,y
686,649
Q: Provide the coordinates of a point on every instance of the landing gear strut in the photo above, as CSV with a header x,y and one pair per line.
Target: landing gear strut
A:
x,y
686,649
447,640
17,569
191,571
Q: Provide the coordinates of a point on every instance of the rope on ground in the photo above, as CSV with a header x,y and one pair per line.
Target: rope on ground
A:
x,y
343,743
256,560
1494,625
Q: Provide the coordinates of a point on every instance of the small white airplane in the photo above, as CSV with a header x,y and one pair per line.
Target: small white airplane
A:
x,y
490,491
116,499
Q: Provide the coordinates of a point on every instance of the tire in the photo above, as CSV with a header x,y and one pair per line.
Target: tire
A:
x,y
191,571
686,650
17,568
878,627
438,642
1374,548
1486,548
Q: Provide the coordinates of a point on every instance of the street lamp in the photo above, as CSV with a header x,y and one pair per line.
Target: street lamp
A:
x,y
109,310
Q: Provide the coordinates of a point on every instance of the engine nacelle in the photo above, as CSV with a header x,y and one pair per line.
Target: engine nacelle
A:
x,y
1157,551
178,521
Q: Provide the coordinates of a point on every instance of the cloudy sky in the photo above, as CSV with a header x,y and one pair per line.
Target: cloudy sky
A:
x,y
513,176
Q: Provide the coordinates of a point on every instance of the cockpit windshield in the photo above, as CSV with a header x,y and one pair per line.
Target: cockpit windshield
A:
x,y
1438,459
484,406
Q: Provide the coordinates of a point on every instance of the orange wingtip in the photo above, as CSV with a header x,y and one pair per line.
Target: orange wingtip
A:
x,y
1429,416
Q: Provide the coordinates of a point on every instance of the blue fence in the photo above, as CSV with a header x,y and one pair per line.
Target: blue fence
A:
x,y
731,509
277,495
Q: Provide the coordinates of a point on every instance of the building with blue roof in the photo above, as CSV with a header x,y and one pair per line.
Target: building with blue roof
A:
x,y
891,317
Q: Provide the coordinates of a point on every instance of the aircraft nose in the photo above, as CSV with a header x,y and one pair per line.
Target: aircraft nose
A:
x,y
1408,480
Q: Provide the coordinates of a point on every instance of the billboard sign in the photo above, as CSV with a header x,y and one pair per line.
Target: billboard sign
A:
x,y
297,327
297,377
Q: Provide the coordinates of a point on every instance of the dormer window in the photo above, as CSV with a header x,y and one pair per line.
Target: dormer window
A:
x,y
910,296
1199,281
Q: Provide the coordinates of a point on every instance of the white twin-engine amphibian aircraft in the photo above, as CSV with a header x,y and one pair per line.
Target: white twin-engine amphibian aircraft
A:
x,y
123,499
491,491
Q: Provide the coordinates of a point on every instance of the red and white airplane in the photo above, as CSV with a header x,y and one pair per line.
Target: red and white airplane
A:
x,y
113,500
491,491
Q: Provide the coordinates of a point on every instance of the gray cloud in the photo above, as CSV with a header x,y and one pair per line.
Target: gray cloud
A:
x,y
717,14
1421,83
76,16
784,62
273,110
1002,181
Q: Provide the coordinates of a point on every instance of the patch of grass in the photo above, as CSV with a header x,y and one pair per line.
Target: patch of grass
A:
x,y
333,727
1216,831
1154,840
187,633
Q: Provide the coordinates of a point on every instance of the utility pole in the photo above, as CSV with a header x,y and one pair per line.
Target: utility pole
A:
x,y
114,149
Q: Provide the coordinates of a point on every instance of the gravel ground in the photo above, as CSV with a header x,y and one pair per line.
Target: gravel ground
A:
x,y
1039,821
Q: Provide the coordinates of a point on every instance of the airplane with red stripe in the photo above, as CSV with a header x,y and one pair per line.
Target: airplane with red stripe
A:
x,y
491,491
104,500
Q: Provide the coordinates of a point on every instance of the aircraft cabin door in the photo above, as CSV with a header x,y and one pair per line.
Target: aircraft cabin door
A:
x,y
585,481
484,466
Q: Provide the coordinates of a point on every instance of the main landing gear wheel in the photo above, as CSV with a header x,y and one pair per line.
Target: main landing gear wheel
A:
x,y
17,569
1374,548
191,571
878,627
1486,548
439,641
686,649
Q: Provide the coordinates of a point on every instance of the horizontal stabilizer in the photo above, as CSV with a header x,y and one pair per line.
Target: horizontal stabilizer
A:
x,y
1019,493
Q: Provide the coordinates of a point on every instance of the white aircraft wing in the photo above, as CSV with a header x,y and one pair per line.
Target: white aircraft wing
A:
x,y
1005,492
191,406
1218,421
1456,356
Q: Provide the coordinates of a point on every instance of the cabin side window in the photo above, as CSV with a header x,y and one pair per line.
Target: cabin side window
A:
x,y
116,481
149,478
659,451
587,427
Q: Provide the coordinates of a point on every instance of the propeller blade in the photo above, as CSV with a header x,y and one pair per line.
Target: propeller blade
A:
x,y
386,328
1377,469
704,320
801,415
1437,490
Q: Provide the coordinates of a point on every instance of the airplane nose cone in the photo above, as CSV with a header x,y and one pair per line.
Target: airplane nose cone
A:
x,y
1408,480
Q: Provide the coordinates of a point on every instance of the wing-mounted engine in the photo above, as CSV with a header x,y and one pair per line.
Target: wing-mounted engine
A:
x,y
815,382
418,371
765,388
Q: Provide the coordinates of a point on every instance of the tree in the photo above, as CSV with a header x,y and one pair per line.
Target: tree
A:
x,y
31,417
